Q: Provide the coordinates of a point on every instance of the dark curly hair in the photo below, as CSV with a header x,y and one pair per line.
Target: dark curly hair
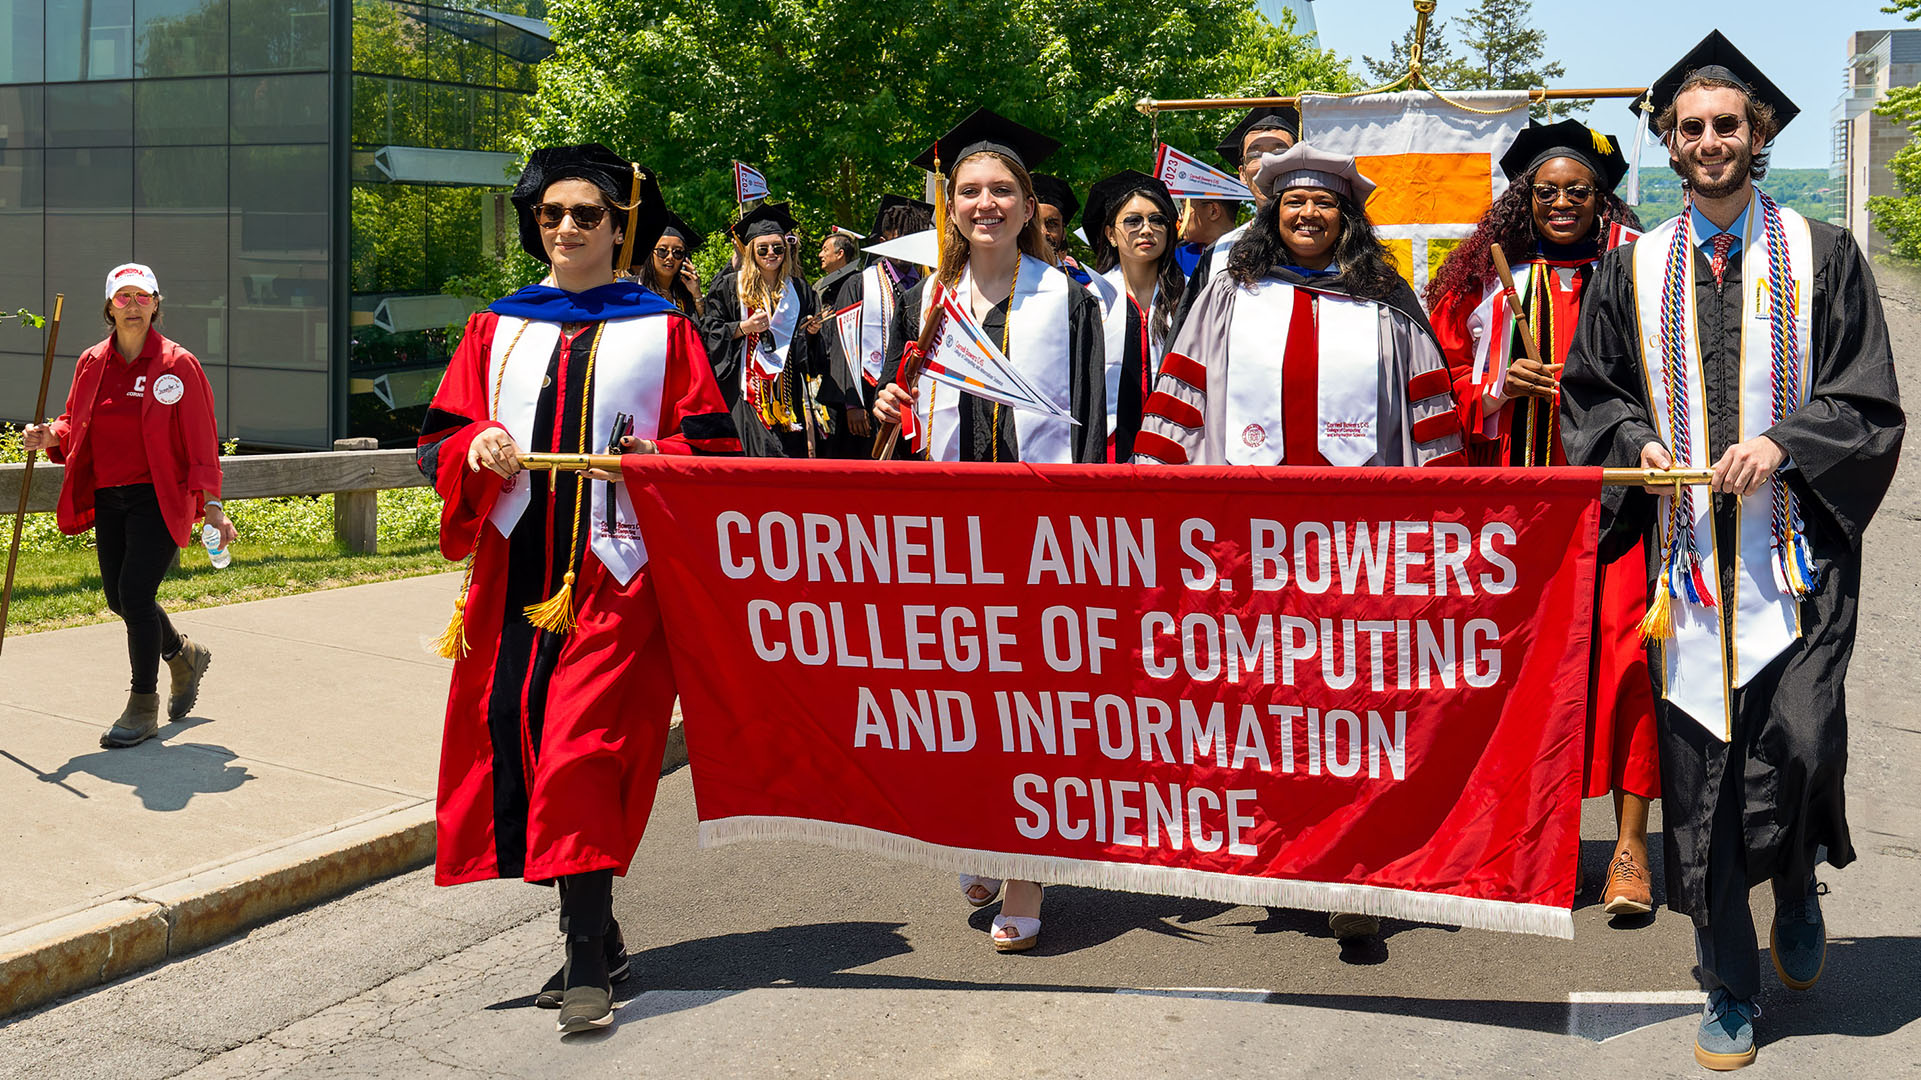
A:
x,y
1509,223
1170,283
1366,269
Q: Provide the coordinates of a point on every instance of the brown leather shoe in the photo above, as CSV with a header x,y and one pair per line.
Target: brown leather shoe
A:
x,y
1628,890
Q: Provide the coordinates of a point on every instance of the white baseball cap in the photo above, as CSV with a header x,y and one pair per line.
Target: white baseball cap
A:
x,y
131,274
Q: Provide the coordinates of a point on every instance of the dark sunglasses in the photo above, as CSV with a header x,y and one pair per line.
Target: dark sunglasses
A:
x,y
1725,125
670,253
1548,194
587,216
1135,222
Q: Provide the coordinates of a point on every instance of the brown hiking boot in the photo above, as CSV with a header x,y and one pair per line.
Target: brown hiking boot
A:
x,y
1628,891
138,722
185,669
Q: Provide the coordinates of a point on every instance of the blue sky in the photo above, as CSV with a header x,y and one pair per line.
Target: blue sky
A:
x,y
1801,45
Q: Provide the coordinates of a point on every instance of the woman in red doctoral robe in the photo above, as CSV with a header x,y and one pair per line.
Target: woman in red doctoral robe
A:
x,y
1553,224
562,690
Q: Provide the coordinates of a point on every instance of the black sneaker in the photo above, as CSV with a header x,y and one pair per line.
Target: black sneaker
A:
x,y
585,1008
618,969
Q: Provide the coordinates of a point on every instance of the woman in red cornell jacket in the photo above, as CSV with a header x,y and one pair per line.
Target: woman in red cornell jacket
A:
x,y
143,464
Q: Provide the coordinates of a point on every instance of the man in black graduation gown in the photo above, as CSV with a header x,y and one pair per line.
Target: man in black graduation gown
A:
x,y
1752,784
1264,130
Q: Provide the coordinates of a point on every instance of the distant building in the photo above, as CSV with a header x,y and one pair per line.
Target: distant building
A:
x,y
1303,15
310,180
1878,61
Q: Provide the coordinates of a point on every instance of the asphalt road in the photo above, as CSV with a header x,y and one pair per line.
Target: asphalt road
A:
x,y
786,960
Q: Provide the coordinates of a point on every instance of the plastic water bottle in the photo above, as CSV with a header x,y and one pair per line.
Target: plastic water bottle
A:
x,y
216,554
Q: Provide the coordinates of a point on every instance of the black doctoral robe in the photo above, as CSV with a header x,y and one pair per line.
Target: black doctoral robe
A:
x,y
720,313
1087,380
1790,724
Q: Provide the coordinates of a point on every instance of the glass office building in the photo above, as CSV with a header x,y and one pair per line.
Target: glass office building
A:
x,y
306,177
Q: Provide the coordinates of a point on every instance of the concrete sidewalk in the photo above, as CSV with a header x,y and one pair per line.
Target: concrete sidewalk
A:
x,y
306,768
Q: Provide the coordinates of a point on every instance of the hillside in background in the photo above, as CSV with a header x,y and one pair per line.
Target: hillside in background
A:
x,y
1802,189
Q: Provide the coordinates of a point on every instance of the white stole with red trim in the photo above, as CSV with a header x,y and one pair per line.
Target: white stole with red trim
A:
x,y
876,315
1115,317
1347,333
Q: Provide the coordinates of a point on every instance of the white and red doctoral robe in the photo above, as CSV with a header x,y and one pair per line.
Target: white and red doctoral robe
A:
x,y
1296,370
553,742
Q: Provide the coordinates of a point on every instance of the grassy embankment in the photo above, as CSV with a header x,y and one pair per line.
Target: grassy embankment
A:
x,y
286,546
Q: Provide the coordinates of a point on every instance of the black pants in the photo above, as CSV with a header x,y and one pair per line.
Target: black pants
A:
x,y
1726,948
135,551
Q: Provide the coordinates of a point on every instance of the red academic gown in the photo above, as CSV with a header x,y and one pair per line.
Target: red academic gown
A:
x,y
553,742
1622,752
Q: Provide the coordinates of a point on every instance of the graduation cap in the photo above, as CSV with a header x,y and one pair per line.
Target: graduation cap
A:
x,y
767,219
1717,58
890,202
983,131
624,184
1111,193
688,235
1055,192
1538,143
1266,118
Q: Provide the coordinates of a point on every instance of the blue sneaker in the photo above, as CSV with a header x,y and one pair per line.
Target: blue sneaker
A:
x,y
1726,1038
1799,942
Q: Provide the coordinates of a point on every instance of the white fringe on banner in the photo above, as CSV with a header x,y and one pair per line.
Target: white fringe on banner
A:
x,y
1465,911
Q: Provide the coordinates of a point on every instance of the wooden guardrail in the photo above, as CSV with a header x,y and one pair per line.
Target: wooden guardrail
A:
x,y
354,472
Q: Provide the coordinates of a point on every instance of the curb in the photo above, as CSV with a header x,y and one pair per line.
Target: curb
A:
x,y
109,940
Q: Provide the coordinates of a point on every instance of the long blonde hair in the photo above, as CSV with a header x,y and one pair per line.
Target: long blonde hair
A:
x,y
751,285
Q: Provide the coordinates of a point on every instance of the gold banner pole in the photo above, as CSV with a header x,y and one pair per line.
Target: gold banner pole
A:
x,y
1150,106
1648,478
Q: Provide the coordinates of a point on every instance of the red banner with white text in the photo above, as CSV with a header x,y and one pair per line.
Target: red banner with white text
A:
x,y
1346,690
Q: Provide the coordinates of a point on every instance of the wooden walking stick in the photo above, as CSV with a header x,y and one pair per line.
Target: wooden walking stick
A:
x,y
1527,340
26,474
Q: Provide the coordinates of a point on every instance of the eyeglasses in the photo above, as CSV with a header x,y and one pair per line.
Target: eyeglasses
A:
x,y
587,216
144,299
667,254
1136,223
762,251
1548,194
1725,125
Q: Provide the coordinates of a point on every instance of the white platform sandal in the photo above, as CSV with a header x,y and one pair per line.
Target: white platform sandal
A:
x,y
992,885
1027,933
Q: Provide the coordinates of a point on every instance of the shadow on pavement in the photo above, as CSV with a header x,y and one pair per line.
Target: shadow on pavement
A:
x,y
165,776
1868,988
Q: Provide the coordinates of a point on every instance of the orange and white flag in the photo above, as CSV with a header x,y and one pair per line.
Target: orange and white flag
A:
x,y
1434,158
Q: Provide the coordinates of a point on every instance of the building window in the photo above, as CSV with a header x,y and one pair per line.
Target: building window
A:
x,y
89,39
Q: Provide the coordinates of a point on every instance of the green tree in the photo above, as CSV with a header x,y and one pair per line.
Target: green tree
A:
x,y
1439,66
830,102
1501,50
1899,216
